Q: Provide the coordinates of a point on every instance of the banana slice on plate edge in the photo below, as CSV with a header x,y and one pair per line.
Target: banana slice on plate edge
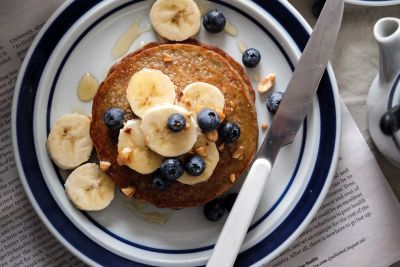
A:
x,y
89,188
175,20
69,143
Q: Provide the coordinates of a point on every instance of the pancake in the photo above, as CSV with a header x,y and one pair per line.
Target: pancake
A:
x,y
192,62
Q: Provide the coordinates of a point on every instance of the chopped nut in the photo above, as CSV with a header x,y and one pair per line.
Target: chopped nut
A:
x,y
147,140
129,191
127,130
123,155
212,136
187,102
221,147
238,152
167,58
264,126
267,83
104,165
201,151
221,115
232,177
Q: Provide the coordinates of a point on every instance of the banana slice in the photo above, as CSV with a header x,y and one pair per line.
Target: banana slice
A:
x,y
176,20
199,95
161,139
69,143
211,160
89,188
148,88
140,158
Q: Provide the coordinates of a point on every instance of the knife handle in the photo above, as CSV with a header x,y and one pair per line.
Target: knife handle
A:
x,y
239,219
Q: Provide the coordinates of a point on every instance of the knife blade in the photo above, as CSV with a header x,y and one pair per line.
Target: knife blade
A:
x,y
292,111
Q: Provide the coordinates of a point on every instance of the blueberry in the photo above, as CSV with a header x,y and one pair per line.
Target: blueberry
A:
x,y
208,120
214,21
214,210
195,166
172,168
176,122
114,118
273,101
229,132
229,200
251,57
159,182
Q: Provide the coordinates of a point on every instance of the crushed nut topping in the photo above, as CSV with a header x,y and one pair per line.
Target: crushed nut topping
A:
x,y
167,58
201,151
212,136
221,115
264,126
104,165
123,155
221,147
238,152
187,102
129,191
232,177
128,130
267,83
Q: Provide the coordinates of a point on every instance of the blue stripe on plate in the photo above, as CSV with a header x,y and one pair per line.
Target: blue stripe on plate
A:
x,y
160,250
72,234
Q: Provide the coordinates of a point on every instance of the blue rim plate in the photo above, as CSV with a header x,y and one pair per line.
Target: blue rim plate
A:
x,y
374,2
78,38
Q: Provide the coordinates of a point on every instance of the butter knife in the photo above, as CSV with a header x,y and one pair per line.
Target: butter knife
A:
x,y
294,106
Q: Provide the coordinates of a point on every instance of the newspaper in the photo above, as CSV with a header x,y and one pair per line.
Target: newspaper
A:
x,y
358,224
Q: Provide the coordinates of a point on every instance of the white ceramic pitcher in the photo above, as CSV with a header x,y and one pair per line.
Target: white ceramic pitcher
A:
x,y
383,101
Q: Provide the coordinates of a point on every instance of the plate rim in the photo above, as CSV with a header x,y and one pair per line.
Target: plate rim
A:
x,y
83,257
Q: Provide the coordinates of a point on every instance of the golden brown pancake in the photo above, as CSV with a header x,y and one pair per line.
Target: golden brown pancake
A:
x,y
191,62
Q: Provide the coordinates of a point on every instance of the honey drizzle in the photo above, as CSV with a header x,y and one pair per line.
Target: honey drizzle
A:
x,y
122,45
87,87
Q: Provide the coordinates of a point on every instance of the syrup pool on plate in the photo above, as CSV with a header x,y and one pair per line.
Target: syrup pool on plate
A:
x,y
128,37
87,87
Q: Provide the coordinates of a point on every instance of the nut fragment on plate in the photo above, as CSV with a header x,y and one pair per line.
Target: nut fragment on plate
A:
x,y
212,136
267,83
167,58
201,151
221,115
264,126
232,177
238,152
123,155
104,165
129,191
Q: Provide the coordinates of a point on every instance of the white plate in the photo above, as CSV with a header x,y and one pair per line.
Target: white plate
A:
x,y
374,2
78,38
